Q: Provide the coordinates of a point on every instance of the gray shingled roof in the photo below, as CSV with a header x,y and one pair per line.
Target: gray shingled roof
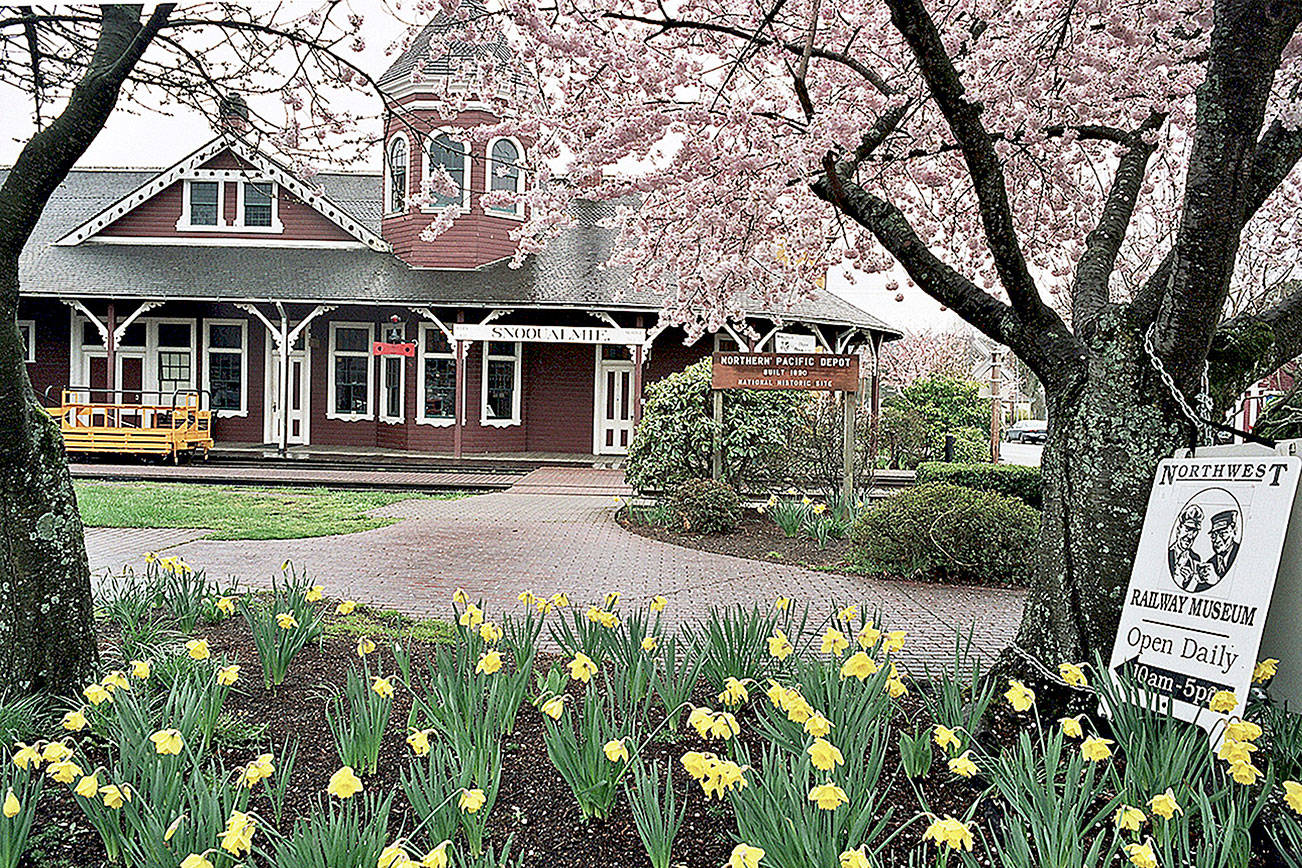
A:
x,y
568,274
417,52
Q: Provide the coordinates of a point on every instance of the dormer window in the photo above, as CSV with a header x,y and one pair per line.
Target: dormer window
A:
x,y
445,154
205,203
397,177
257,203
506,174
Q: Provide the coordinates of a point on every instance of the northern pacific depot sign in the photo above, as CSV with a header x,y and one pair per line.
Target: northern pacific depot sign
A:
x,y
810,371
1217,583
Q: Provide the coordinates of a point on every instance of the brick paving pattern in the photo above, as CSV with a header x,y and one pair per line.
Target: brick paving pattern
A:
x,y
497,545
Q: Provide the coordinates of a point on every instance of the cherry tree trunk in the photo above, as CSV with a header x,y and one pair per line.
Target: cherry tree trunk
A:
x,y
47,637
1106,435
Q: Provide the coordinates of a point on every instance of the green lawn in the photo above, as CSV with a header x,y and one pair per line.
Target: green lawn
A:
x,y
237,512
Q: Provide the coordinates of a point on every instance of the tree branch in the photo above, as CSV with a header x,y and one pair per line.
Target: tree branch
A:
x,y
1248,347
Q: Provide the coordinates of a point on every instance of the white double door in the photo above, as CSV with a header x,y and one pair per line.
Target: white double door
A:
x,y
613,416
298,400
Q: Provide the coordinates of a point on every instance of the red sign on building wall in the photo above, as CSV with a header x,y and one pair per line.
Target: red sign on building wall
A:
x,y
379,348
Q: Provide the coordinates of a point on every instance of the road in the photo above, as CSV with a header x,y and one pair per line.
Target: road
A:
x,y
1020,453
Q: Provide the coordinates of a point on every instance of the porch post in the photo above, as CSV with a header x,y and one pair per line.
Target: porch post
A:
x,y
459,401
850,411
283,434
637,384
111,352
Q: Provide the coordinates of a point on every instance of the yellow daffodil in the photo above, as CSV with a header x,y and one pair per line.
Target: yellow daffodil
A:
x,y
834,642
612,600
828,796
459,597
896,687
365,646
198,649
782,604
418,741
559,600
962,765
609,620
1242,730
314,594
167,741
847,613
1264,670
951,832
115,796
87,787
55,752
817,725
859,665
238,835
471,800
344,784
798,708
383,687
724,726
868,636
582,668
1073,674
1293,795
824,755
820,508
27,755
1141,855
1019,696
1244,772
734,693
489,662
1129,819
554,706
345,607
74,721
195,860
228,675
780,646
286,621
805,500
172,827
11,806
649,643
472,617
528,598
140,669
436,858
1071,726
615,750
1096,749
745,856
1232,750
658,603
226,605
894,641
117,679
946,738
393,856
1165,805
1223,702
490,633
258,770
855,858
695,764
64,771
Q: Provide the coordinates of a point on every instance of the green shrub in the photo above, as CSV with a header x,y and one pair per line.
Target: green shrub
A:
x,y
940,531
1010,479
705,506
674,440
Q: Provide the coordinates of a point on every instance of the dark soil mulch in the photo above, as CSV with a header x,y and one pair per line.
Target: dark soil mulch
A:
x,y
757,538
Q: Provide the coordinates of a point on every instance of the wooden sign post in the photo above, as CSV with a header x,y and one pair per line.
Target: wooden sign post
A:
x,y
816,372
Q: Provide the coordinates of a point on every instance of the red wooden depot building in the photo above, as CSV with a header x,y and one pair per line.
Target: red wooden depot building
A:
x,y
225,273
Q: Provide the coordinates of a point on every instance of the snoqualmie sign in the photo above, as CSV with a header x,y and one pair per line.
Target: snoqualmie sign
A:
x,y
1200,594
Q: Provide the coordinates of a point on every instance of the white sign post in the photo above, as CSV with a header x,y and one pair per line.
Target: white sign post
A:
x,y
1207,583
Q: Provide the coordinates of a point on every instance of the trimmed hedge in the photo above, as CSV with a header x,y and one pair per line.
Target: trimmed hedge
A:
x,y
705,506
1013,480
941,531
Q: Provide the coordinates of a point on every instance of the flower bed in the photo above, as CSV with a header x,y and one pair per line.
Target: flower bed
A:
x,y
748,738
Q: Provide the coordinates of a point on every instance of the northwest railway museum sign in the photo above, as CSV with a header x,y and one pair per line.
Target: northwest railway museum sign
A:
x,y
1209,594
807,371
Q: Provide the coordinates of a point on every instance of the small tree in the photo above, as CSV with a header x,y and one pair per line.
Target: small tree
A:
x,y
916,420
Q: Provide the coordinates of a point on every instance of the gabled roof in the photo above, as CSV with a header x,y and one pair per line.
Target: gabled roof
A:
x,y
317,198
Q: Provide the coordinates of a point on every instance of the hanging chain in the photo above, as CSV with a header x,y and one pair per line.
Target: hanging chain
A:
x,y
1203,399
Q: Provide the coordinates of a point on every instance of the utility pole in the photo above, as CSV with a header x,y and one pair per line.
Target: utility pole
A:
x,y
996,404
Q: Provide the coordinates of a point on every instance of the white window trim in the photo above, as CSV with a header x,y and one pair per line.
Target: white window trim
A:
x,y
152,369
276,226
520,181
183,222
382,364
467,170
370,373
27,330
243,411
518,358
388,177
421,418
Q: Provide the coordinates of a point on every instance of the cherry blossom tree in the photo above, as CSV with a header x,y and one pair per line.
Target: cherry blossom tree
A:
x,y
1103,187
926,353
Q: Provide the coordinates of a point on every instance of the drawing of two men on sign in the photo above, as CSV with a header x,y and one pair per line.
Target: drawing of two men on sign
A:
x,y
1193,567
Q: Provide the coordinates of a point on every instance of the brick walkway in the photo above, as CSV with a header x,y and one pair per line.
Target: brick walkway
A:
x,y
497,545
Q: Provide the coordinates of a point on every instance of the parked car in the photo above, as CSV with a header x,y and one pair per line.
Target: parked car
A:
x,y
1028,431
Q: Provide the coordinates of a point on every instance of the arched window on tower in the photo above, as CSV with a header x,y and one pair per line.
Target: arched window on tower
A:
x,y
446,153
398,161
505,174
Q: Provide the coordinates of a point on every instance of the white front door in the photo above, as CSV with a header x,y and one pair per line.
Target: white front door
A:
x,y
613,417
298,398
